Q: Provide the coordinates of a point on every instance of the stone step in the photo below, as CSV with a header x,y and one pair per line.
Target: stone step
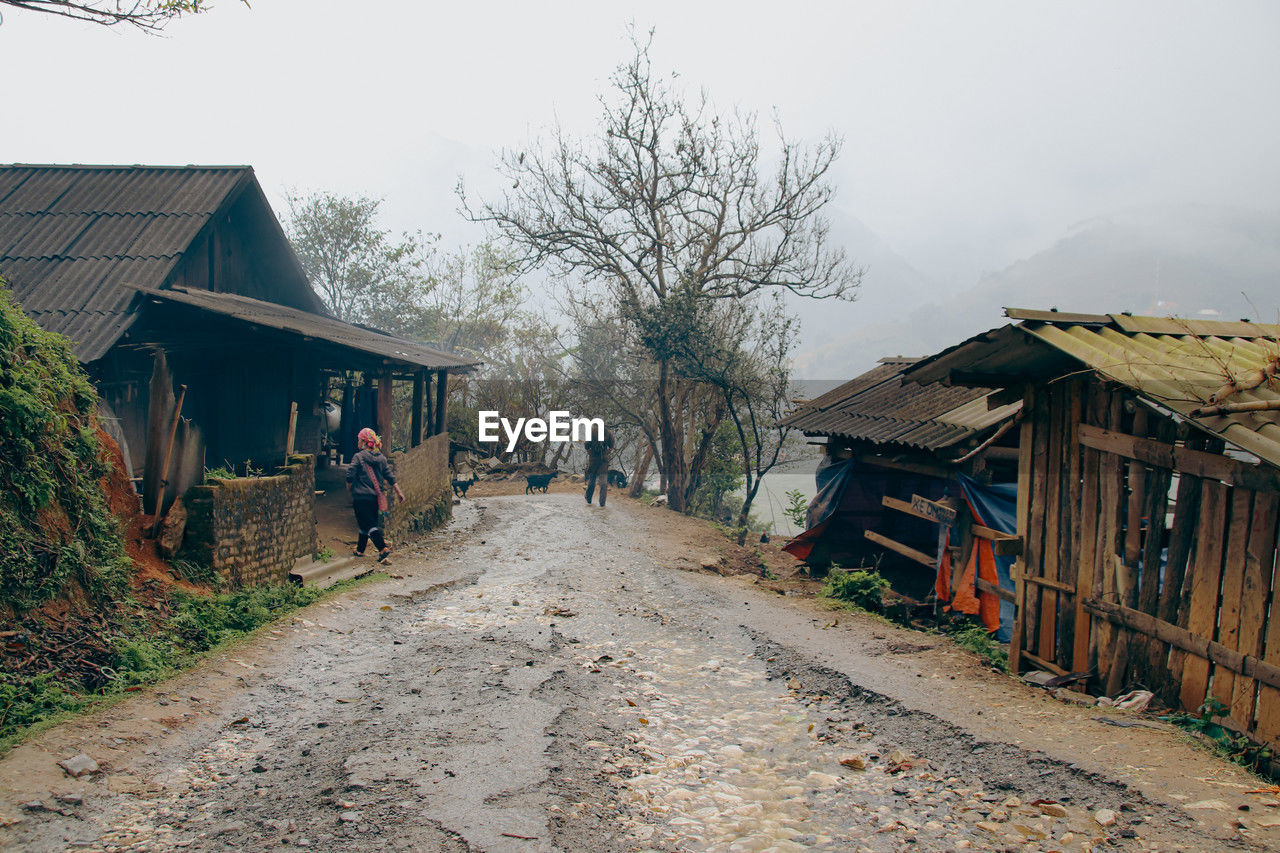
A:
x,y
321,574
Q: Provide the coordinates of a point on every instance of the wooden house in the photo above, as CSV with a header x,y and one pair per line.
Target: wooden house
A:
x,y
900,448
1149,499
181,279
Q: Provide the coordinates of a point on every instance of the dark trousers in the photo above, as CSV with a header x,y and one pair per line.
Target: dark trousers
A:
x,y
367,520
597,473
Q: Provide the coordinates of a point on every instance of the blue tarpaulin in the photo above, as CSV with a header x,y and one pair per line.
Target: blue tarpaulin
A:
x,y
996,506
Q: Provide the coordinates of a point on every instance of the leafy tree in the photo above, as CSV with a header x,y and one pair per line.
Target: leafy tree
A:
x,y
742,349
148,15
358,267
671,206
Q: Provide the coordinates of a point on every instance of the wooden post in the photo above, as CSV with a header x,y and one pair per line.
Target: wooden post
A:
x,y
168,455
385,393
415,417
293,428
442,401
429,413
159,407
1025,470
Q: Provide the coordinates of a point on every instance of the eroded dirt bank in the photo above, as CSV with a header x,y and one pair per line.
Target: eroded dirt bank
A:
x,y
543,678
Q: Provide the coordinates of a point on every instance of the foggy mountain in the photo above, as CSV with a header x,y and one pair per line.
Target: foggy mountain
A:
x,y
1191,261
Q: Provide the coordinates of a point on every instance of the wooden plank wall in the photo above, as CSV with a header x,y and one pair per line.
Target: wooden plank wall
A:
x,y
1150,563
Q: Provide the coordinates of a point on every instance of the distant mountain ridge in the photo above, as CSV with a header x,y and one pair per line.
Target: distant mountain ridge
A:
x,y
1189,260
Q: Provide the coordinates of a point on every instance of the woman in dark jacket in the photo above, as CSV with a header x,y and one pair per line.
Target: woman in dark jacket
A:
x,y
365,478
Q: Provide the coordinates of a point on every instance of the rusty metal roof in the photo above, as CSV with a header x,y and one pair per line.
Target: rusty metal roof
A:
x,y
878,407
1175,363
71,235
313,326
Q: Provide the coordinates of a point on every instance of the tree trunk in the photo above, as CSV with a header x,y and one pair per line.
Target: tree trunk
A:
x,y
559,455
745,515
672,452
642,471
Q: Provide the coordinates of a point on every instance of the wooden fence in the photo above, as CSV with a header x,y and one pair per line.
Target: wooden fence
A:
x,y
1149,557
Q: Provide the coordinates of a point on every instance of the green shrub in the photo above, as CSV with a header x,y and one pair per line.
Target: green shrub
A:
x,y
863,588
51,467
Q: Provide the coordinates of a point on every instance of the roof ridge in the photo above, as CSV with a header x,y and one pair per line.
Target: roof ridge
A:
x,y
168,166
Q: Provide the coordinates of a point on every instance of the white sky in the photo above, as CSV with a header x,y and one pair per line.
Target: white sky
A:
x,y
976,132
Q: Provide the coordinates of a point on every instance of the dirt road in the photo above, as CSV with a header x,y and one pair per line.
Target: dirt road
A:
x,y
547,676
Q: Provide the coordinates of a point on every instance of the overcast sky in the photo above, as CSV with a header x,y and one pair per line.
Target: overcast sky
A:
x,y
976,133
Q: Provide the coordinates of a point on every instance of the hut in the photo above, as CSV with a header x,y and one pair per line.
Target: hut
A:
x,y
1149,499
208,346
899,459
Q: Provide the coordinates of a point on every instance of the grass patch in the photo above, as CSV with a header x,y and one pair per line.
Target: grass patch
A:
x,y
146,654
977,640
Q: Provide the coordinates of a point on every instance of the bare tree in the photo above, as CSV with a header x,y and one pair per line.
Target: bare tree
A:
x,y
148,15
671,202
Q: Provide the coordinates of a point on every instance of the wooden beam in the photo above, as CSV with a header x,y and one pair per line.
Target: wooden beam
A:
x,y
385,396
293,430
1003,396
1025,470
415,416
909,467
906,551
1260,478
1044,664
1201,647
1050,583
1003,544
430,413
442,402
1001,592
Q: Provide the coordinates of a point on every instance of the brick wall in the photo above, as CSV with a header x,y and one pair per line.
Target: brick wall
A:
x,y
422,473
251,530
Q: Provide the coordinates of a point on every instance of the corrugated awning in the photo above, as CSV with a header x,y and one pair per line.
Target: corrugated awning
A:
x,y
1175,363
878,407
313,327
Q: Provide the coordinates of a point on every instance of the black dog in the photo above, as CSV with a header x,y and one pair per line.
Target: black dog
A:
x,y
617,479
460,486
539,482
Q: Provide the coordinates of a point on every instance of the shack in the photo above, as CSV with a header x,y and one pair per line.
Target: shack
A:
x,y
1149,500
897,458
182,297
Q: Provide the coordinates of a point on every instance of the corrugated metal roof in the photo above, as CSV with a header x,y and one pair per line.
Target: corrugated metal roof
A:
x,y
304,323
70,235
1175,363
878,407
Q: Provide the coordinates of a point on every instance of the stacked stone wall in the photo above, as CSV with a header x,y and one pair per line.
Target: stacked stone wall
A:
x,y
422,473
253,529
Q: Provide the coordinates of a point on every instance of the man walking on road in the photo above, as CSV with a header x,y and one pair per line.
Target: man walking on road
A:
x,y
598,450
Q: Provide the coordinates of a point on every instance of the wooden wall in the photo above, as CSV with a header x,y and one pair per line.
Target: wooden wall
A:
x,y
1149,556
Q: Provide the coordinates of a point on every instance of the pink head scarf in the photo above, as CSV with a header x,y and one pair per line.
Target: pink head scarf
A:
x,y
369,439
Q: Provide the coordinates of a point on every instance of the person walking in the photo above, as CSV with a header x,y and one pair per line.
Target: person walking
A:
x,y
598,450
365,478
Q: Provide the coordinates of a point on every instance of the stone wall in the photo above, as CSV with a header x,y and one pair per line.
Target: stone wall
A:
x,y
252,530
423,475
